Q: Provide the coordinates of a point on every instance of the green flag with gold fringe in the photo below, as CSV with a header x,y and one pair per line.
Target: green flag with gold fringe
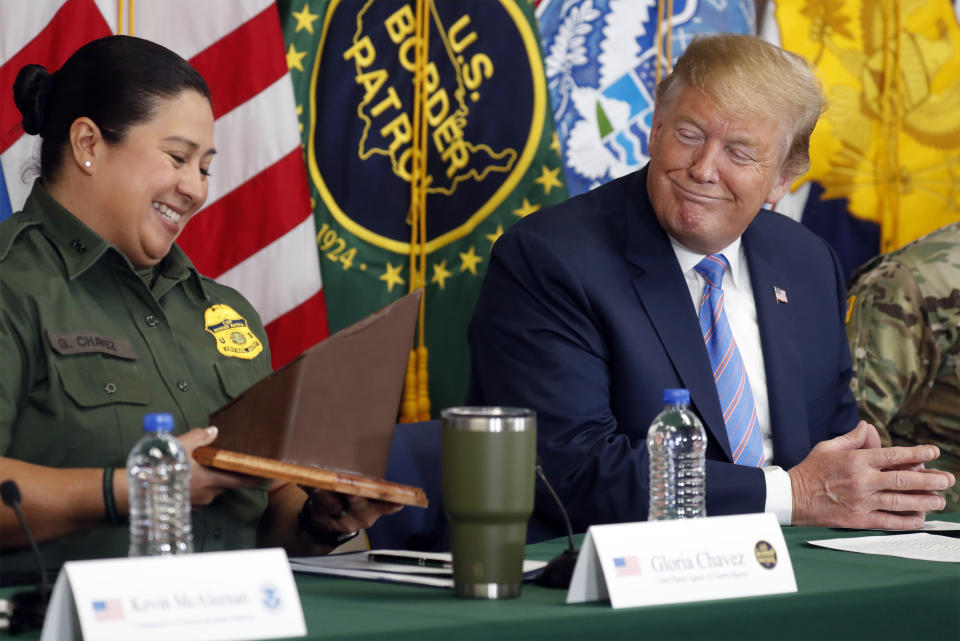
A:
x,y
427,132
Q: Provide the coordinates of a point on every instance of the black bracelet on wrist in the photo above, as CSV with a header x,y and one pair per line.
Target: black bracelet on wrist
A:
x,y
109,500
325,537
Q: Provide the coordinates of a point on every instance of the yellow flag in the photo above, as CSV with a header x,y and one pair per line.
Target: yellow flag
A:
x,y
890,140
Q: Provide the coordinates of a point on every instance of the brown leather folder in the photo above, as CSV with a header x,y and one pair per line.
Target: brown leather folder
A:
x,y
326,418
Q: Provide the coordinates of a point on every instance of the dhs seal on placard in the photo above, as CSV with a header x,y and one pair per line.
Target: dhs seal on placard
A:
x,y
766,555
234,337
270,597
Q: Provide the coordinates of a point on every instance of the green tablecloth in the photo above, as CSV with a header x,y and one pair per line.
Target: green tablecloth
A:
x,y
841,595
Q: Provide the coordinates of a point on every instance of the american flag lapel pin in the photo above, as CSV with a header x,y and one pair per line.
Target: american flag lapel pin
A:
x,y
781,294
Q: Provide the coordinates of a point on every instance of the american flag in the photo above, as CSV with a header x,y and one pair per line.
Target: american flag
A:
x,y
781,294
256,231
626,565
108,610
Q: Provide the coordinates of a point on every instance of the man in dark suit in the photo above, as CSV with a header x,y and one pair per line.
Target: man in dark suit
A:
x,y
590,309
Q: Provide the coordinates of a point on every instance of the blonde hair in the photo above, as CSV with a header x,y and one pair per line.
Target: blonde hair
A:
x,y
749,77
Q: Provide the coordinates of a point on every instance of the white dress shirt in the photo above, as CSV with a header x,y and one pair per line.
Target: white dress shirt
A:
x,y
741,311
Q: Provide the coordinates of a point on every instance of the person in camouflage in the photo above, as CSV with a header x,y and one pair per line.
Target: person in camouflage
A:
x,y
903,323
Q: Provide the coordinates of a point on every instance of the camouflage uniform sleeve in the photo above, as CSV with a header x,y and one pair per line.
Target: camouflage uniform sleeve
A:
x,y
891,345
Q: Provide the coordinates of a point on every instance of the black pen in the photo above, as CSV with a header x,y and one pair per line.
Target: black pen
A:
x,y
409,560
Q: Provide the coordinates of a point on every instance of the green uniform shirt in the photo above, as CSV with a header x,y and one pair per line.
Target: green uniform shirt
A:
x,y
88,346
904,332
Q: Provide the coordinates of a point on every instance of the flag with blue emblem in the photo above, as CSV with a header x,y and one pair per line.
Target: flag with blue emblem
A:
x,y
427,132
603,59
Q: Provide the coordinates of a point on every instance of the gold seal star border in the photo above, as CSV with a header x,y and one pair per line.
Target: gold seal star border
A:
x,y
305,19
441,271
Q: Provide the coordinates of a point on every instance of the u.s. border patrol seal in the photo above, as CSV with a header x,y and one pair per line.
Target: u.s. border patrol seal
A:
x,y
233,336
483,59
766,555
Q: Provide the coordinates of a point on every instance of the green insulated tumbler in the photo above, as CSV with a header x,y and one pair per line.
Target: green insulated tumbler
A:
x,y
488,473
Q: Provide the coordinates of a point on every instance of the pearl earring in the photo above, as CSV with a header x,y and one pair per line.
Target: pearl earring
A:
x,y
87,163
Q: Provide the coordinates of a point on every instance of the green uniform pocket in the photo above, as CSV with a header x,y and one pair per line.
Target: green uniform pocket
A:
x,y
103,403
92,380
236,376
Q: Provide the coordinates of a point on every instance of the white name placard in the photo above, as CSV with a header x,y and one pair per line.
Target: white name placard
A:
x,y
658,562
214,596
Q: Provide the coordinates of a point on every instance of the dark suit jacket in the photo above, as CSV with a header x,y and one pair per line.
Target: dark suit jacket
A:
x,y
586,317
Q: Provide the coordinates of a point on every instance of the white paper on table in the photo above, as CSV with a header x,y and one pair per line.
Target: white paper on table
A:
x,y
940,526
355,565
918,545
928,526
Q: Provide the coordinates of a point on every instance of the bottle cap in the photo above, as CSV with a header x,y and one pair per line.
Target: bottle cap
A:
x,y
161,422
676,396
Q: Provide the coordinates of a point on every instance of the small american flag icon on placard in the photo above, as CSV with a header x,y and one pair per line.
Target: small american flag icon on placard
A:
x,y
780,293
626,565
108,610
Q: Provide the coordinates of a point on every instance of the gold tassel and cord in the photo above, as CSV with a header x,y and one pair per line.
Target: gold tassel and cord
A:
x,y
416,389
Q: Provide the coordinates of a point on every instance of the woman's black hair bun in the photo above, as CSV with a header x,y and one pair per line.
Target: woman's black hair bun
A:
x,y
30,91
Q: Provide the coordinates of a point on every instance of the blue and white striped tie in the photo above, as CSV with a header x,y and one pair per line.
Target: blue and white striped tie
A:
x,y
729,374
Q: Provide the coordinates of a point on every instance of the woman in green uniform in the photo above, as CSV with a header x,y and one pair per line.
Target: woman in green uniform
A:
x,y
104,319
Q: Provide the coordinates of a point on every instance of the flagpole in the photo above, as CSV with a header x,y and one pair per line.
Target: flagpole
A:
x,y
888,157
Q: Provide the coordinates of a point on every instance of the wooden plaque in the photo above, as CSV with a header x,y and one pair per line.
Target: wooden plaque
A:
x,y
319,477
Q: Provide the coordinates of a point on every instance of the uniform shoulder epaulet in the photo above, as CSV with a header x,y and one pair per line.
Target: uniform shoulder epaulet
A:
x,y
12,228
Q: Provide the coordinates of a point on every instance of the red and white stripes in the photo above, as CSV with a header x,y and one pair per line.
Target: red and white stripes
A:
x,y
43,32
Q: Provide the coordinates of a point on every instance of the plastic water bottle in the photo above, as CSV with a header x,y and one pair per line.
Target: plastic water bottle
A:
x,y
158,471
676,443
